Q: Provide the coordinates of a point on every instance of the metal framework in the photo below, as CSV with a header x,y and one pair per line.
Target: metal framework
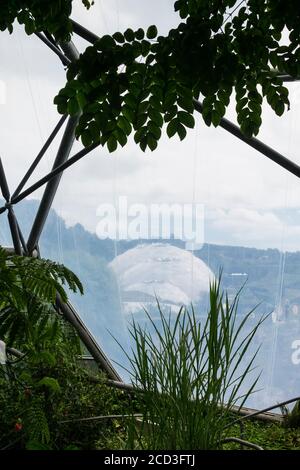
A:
x,y
67,53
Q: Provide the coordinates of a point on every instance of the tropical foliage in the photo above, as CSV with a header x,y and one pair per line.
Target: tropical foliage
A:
x,y
140,82
192,374
28,291
46,384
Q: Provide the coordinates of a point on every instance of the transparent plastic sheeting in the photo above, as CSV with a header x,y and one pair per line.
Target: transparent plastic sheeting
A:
x,y
250,232
247,205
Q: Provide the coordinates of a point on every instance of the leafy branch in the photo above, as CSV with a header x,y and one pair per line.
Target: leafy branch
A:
x,y
141,83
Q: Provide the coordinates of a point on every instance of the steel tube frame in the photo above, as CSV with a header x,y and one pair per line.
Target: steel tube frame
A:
x,y
14,231
62,155
39,156
256,144
11,216
22,240
3,183
54,48
61,163
57,171
86,337
51,188
225,124
84,33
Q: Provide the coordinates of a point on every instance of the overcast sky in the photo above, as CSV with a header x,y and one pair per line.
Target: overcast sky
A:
x,y
248,199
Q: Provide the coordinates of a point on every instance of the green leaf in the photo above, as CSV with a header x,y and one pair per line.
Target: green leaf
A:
x,y
128,113
150,59
129,35
247,128
152,32
121,136
279,108
274,59
241,103
154,129
29,26
118,37
140,34
73,107
186,104
255,107
106,42
145,47
240,90
112,144
151,142
124,125
181,131
157,91
60,99
186,119
45,357
172,127
94,130
215,118
62,108
155,103
143,107
36,445
86,138
141,119
177,5
155,116
50,383
81,98
130,100
224,97
169,100
140,134
276,34
137,79
143,144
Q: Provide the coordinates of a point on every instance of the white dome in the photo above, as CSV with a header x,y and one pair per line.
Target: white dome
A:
x,y
171,274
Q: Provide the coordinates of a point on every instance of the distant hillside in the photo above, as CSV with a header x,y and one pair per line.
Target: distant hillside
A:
x,y
272,281
271,277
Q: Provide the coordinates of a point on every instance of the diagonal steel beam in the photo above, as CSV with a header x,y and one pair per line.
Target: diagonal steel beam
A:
x,y
51,188
57,171
21,238
84,33
258,145
53,180
13,225
86,337
225,124
62,155
11,216
3,183
54,48
39,156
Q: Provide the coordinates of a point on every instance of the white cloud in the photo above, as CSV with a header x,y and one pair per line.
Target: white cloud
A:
x,y
210,167
254,228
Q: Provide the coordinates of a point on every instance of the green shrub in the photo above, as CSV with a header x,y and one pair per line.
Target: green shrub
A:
x,y
192,375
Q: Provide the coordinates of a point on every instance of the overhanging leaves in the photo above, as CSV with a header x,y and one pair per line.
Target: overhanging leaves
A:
x,y
208,56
